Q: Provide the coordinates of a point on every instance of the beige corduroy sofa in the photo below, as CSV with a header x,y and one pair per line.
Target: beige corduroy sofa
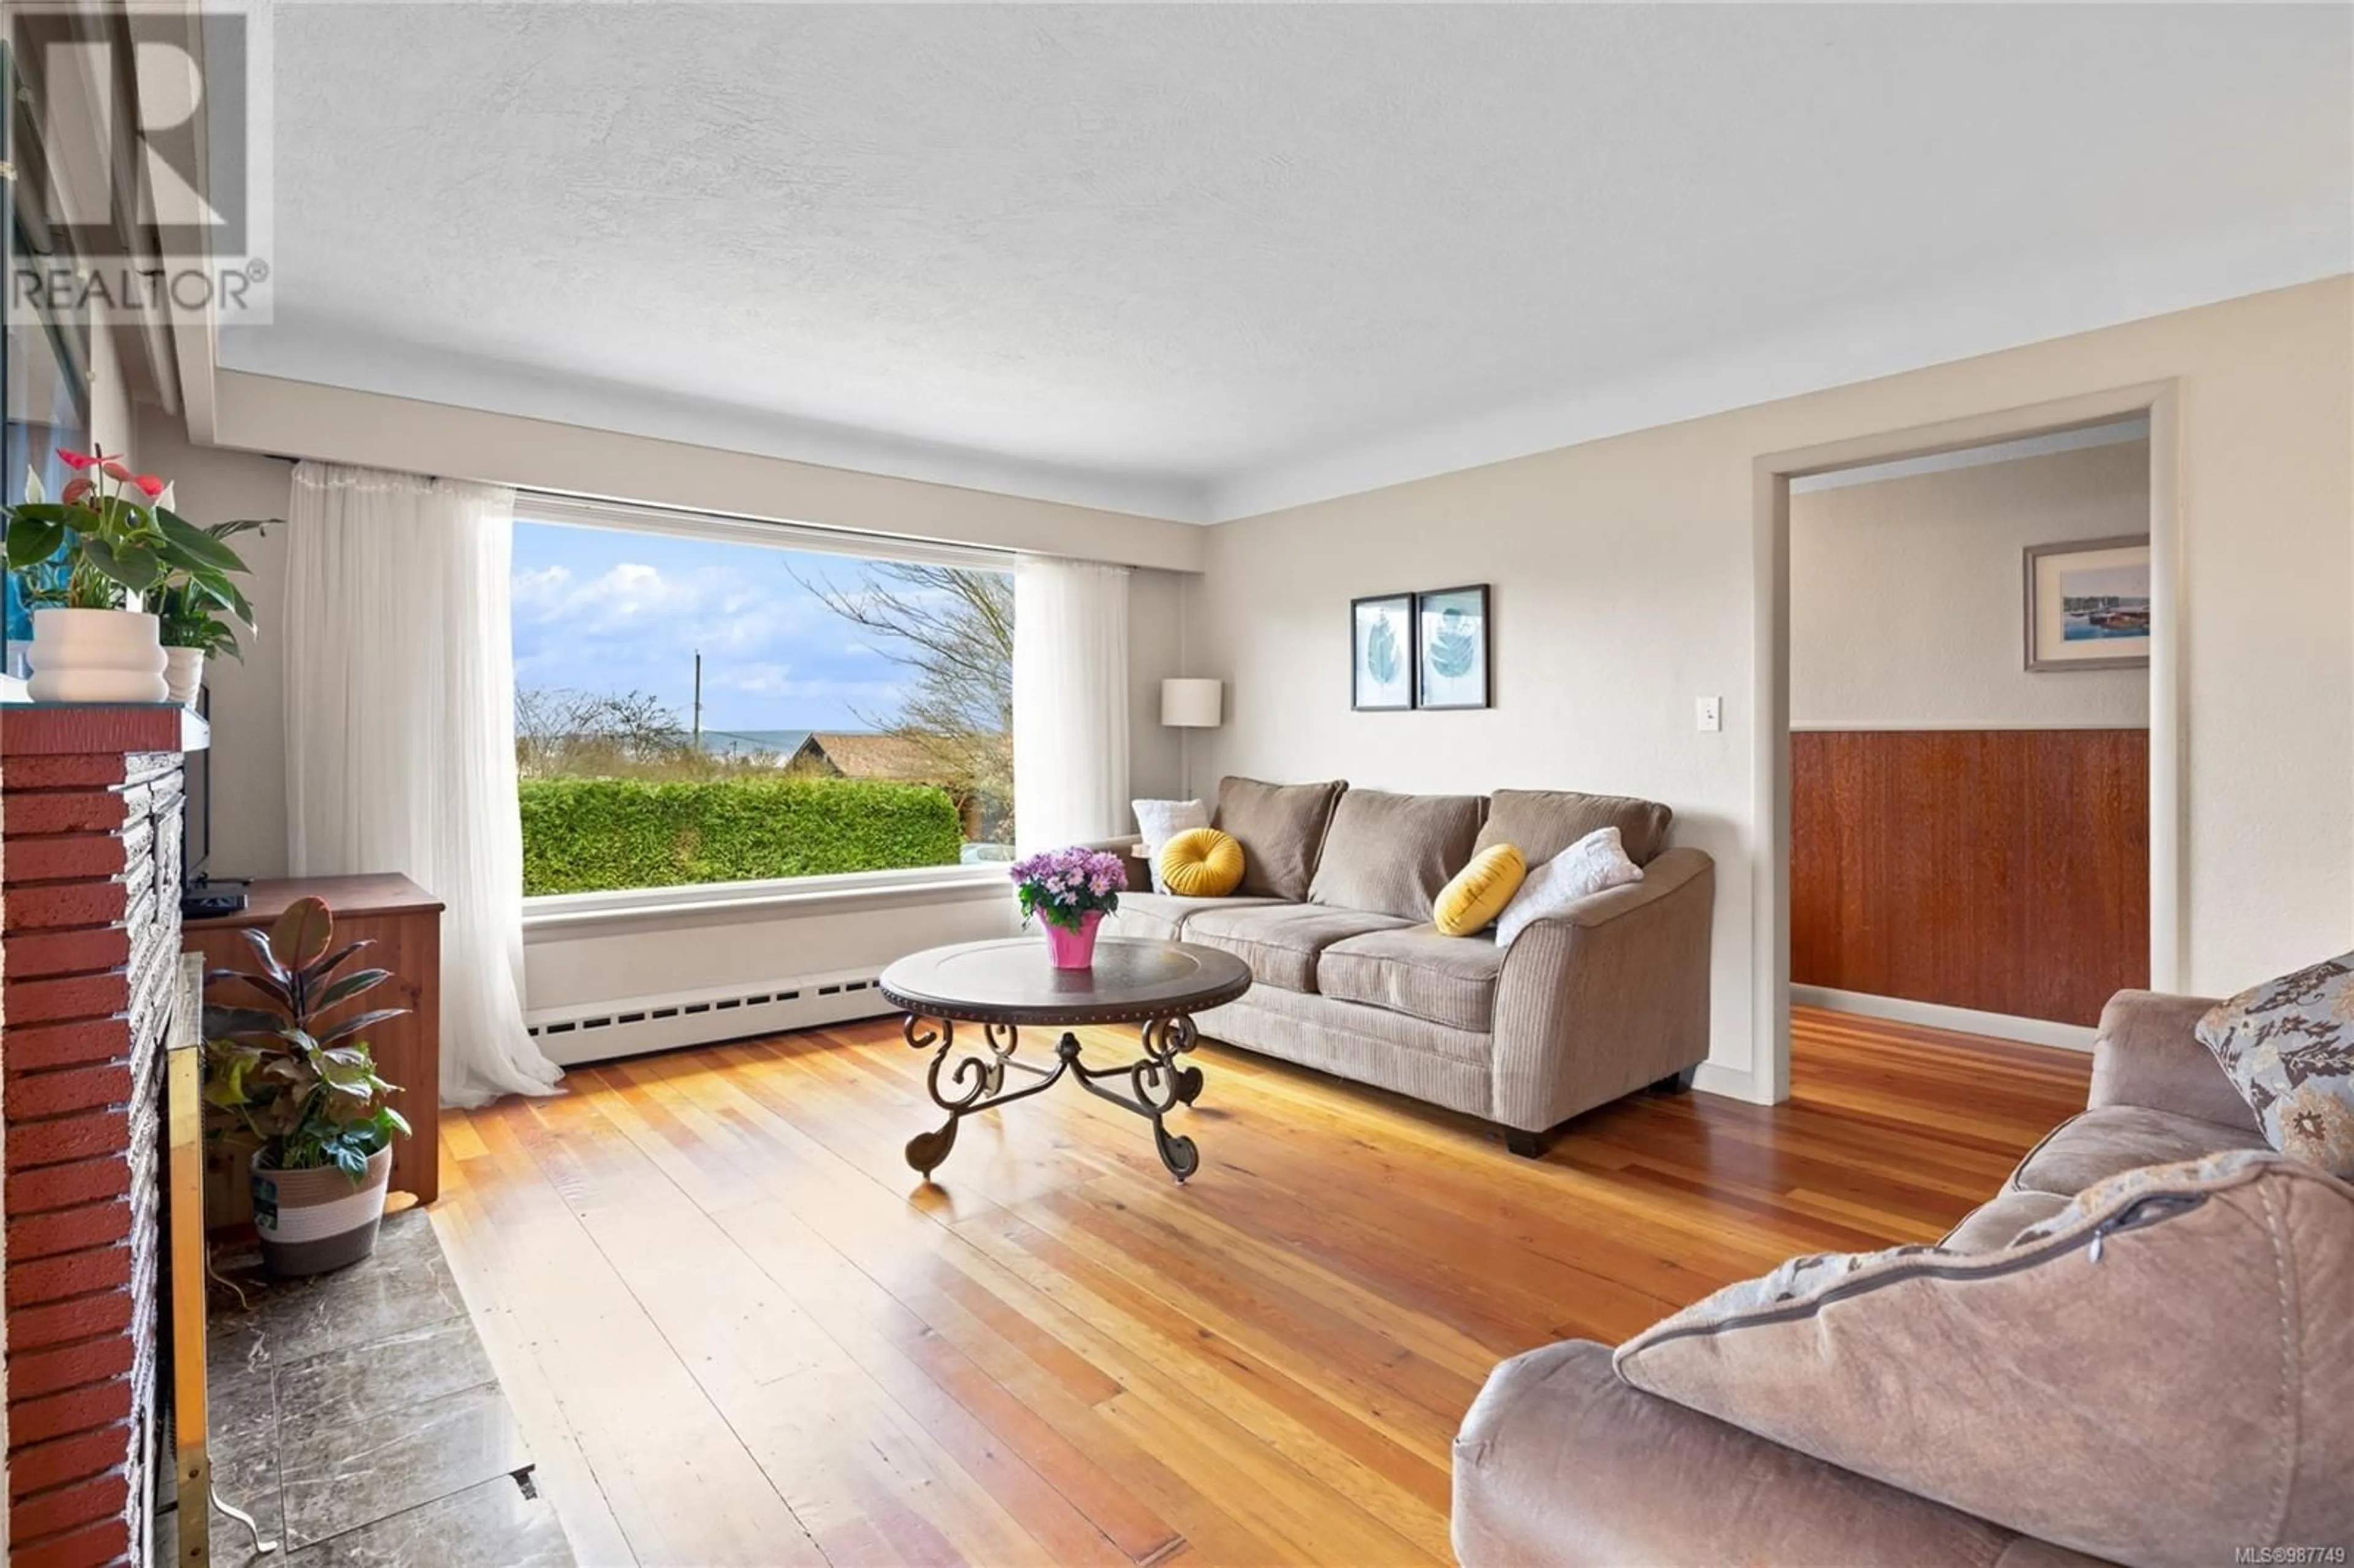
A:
x,y
1350,976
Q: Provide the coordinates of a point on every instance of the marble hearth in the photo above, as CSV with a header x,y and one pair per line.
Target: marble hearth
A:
x,y
358,1418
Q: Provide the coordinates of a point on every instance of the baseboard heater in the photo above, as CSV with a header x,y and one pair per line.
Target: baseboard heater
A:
x,y
630,1026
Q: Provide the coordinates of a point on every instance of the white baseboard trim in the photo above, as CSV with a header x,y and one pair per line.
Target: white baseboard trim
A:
x,y
1936,1015
1733,1083
630,1026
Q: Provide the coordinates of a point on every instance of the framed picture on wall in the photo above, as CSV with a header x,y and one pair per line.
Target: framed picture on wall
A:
x,y
2088,604
1451,647
1381,653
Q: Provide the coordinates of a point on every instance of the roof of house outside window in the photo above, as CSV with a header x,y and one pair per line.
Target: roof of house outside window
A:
x,y
866,754
785,745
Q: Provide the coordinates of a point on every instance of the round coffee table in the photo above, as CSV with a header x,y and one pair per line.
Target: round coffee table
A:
x,y
1003,985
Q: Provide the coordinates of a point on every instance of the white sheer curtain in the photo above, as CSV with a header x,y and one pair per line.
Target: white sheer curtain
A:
x,y
1070,701
400,733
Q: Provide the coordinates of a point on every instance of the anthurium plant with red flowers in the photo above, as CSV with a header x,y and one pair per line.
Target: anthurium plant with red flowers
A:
x,y
121,542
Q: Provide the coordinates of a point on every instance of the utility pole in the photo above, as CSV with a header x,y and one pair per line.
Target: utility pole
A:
x,y
698,699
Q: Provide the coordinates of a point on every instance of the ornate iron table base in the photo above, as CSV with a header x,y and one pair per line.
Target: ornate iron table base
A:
x,y
1157,1082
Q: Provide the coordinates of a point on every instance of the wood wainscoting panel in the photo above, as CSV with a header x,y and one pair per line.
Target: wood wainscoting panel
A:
x,y
2002,870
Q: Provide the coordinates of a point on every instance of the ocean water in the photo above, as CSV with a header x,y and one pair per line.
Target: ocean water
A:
x,y
2079,629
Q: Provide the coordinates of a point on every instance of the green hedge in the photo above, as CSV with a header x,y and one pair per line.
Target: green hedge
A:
x,y
585,836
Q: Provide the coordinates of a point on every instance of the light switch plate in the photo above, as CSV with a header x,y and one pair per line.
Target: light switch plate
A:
x,y
1708,713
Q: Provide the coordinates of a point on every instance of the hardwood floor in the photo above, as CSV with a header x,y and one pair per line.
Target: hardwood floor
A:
x,y
737,1330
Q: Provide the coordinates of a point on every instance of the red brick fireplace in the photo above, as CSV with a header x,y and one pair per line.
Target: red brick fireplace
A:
x,y
89,874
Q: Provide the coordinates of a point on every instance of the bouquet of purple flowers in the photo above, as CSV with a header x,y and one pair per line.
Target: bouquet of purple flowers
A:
x,y
1064,886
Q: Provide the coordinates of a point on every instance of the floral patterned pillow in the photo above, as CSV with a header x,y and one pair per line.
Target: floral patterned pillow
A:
x,y
2288,1046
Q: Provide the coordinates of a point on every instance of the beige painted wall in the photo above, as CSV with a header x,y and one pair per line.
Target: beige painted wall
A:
x,y
264,414
1906,603
1156,649
246,696
1626,579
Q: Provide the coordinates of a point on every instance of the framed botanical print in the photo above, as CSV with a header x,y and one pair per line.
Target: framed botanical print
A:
x,y
1451,647
2088,604
1381,649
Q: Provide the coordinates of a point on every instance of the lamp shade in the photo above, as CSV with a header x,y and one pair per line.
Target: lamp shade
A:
x,y
1192,703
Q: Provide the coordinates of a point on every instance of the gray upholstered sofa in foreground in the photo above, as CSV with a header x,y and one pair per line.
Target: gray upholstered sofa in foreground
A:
x,y
1350,976
2104,1363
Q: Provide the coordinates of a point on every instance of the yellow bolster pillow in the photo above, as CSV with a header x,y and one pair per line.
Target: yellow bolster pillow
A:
x,y
1478,894
1202,863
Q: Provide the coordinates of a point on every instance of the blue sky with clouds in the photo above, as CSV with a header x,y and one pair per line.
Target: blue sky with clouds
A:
x,y
604,610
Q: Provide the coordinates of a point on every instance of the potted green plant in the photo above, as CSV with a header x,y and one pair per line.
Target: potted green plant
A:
x,y
194,610
107,542
303,1092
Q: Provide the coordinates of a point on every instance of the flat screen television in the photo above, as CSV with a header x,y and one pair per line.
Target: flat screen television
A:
x,y
200,894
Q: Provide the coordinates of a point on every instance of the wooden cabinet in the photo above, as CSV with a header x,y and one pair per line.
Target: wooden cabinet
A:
x,y
404,921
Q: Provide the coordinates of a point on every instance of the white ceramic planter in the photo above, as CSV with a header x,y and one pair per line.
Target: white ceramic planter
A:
x,y
96,656
183,674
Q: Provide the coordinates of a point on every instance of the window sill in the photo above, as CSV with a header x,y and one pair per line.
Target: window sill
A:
x,y
554,916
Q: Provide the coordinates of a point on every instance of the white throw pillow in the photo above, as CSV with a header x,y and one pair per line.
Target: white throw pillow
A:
x,y
1593,864
1157,821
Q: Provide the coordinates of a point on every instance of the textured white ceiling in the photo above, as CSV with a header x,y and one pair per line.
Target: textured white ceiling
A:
x,y
1199,260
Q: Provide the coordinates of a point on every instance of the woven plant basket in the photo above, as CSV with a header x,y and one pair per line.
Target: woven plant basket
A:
x,y
311,1220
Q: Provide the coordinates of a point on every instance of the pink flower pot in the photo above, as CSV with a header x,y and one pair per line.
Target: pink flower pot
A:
x,y
1069,950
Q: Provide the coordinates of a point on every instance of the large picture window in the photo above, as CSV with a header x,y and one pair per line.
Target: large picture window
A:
x,y
698,706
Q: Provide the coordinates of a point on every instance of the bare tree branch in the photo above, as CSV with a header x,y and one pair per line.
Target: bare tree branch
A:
x,y
952,628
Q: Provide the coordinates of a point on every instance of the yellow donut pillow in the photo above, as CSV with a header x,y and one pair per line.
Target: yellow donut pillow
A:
x,y
1202,863
1478,894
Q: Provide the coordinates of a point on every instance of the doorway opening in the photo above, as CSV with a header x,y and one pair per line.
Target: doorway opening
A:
x,y
1970,733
